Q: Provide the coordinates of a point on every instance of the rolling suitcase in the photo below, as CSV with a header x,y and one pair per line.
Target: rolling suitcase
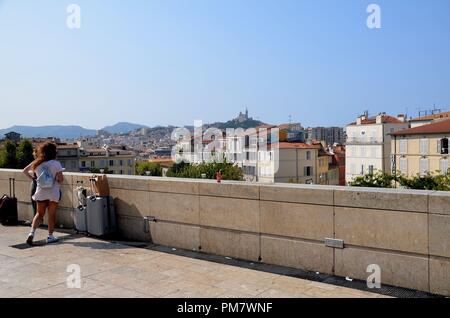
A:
x,y
8,206
101,218
80,219
80,213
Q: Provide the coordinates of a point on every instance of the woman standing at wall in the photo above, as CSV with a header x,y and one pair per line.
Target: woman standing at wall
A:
x,y
48,173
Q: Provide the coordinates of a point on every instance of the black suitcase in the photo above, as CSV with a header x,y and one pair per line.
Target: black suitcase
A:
x,y
8,206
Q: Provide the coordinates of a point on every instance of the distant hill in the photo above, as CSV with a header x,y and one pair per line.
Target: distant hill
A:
x,y
64,132
72,132
249,123
123,128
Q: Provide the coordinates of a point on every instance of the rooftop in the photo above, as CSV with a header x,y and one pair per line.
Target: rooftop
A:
x,y
111,270
298,145
440,127
385,119
432,117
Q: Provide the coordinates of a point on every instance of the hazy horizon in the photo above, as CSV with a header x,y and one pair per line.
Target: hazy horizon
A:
x,y
160,63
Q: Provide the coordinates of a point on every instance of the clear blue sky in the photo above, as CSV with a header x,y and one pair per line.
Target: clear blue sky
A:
x,y
173,61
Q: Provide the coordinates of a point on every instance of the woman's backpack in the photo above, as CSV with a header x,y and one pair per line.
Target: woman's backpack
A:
x,y
45,179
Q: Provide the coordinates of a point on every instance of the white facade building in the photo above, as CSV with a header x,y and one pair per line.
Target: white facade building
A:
x,y
369,144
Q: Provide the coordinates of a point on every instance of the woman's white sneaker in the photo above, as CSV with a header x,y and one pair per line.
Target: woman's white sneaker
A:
x,y
52,239
30,239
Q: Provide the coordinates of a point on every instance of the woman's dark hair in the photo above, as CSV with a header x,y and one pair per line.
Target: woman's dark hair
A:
x,y
45,152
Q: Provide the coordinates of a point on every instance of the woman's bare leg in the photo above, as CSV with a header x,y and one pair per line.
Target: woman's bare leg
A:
x,y
39,217
52,207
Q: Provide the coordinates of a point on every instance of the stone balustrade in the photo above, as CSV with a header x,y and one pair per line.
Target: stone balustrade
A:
x,y
405,232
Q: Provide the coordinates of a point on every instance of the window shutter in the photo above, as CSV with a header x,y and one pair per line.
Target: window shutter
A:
x,y
444,166
403,146
439,146
423,166
404,165
424,146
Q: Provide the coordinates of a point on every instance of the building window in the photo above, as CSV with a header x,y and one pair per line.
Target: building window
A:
x,y
247,141
130,172
443,146
102,163
130,163
404,146
92,164
121,163
424,146
308,155
121,171
444,166
308,171
111,163
363,152
403,166
423,166
371,169
362,170
83,164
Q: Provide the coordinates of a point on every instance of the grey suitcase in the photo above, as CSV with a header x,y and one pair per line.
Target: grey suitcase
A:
x,y
80,219
101,219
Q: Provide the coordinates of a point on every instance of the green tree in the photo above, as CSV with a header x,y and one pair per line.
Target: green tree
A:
x,y
24,154
378,179
154,169
8,157
229,170
431,181
97,170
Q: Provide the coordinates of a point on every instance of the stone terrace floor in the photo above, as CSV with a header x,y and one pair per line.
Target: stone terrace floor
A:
x,y
117,270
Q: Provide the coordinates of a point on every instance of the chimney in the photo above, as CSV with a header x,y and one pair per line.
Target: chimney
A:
x,y
379,119
401,117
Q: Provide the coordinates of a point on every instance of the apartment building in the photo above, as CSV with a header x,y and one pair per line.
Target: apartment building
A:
x,y
297,163
112,160
368,146
338,160
422,149
68,155
330,135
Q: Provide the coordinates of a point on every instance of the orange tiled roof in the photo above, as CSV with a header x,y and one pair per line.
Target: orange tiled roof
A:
x,y
67,146
445,115
440,127
297,145
386,119
161,159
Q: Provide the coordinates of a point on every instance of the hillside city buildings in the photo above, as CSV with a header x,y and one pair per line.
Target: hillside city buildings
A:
x,y
286,153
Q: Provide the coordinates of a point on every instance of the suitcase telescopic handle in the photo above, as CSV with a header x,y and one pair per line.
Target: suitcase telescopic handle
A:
x,y
12,187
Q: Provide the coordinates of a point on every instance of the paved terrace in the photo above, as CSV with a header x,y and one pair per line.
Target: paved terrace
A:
x,y
118,270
